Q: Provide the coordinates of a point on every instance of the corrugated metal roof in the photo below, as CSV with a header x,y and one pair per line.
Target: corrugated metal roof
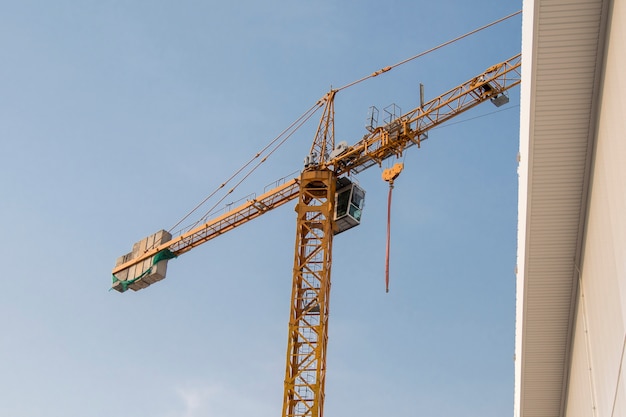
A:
x,y
563,45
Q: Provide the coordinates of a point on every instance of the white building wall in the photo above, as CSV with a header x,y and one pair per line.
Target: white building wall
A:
x,y
597,380
580,394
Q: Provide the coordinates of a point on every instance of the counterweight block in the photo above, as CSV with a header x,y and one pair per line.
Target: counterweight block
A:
x,y
142,274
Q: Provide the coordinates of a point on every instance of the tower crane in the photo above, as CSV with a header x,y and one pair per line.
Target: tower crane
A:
x,y
328,203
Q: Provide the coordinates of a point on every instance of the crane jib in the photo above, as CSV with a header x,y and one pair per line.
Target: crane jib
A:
x,y
393,138
130,269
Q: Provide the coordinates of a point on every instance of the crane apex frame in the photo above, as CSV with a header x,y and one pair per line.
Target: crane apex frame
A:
x,y
328,203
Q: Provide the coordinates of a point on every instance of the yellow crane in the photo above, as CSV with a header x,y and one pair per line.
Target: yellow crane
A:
x,y
328,203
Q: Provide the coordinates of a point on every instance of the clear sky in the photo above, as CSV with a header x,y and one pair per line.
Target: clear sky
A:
x,y
117,117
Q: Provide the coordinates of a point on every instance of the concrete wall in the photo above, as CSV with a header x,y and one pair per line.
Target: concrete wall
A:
x,y
597,382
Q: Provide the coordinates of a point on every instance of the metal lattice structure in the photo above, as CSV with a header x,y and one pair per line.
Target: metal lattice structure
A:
x,y
393,138
308,323
315,189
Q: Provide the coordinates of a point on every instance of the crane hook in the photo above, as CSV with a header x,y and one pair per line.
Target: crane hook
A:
x,y
389,175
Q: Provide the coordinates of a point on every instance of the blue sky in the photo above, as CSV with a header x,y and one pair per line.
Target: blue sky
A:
x,y
116,118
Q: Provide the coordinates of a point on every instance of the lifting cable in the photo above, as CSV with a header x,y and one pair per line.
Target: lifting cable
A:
x,y
469,119
387,247
385,69
288,132
390,175
301,121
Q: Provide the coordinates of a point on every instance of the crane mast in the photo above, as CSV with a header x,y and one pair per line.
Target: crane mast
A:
x,y
326,168
305,372
308,320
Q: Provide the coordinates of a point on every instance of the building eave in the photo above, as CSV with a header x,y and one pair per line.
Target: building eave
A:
x,y
563,54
